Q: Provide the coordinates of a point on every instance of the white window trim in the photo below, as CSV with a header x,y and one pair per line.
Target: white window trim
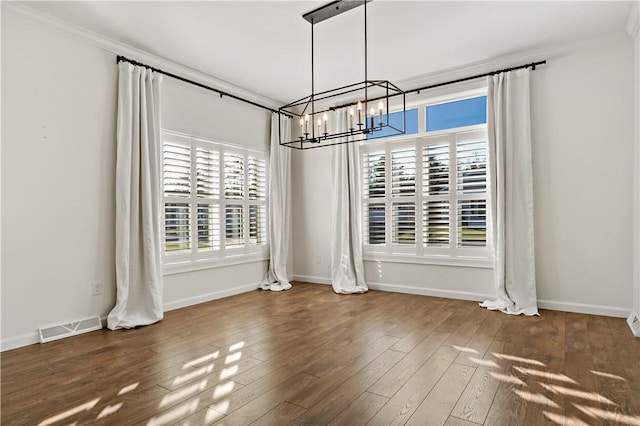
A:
x,y
417,253
174,263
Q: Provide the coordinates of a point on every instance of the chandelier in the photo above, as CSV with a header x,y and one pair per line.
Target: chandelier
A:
x,y
367,104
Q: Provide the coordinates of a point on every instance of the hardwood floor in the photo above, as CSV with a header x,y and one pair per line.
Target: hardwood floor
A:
x,y
309,356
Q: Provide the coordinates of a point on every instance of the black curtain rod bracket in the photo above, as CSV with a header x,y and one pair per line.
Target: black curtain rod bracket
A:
x,y
222,93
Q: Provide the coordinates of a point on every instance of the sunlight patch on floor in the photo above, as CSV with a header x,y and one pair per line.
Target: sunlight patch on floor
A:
x,y
536,397
608,375
609,415
519,359
71,412
506,378
201,360
562,420
183,393
484,362
464,349
233,358
192,375
223,390
236,346
220,408
545,375
228,372
109,409
128,388
591,396
175,413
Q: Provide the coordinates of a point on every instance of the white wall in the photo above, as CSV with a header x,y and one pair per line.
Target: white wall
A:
x,y
582,110
58,168
632,29
58,171
311,205
582,133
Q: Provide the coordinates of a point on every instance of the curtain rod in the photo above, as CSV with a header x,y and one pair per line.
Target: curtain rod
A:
x,y
531,65
195,83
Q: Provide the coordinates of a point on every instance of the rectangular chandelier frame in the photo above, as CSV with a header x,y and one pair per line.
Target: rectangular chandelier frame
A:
x,y
367,101
359,124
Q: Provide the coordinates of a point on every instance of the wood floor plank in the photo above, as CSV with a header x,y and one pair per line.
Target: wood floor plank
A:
x,y
205,416
360,411
437,406
347,368
608,368
475,402
404,402
283,414
578,366
255,409
391,382
509,405
334,403
543,404
477,346
454,421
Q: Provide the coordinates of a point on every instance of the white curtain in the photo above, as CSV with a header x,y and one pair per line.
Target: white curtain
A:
x,y
279,206
510,166
347,267
138,198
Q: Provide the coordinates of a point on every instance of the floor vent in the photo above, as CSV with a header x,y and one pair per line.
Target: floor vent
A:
x,y
55,332
634,323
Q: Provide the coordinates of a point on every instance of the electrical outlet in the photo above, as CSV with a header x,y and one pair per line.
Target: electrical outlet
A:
x,y
97,288
318,260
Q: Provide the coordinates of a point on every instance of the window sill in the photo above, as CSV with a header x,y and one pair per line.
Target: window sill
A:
x,y
199,265
467,262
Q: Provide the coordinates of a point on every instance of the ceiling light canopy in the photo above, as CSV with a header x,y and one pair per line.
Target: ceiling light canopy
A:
x,y
367,103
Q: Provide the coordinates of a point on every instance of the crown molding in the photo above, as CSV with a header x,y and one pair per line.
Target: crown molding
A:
x,y
633,23
48,22
547,53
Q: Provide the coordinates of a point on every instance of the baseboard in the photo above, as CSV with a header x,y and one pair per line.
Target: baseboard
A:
x,y
581,308
312,279
19,341
634,323
432,292
395,288
32,338
189,301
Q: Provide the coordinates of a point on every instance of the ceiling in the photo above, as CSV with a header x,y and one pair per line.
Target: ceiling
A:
x,y
265,46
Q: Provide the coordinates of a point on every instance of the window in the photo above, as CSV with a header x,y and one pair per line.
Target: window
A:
x,y
425,196
215,199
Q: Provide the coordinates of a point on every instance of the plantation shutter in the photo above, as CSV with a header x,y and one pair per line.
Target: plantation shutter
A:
x,y
471,183
374,173
176,162
435,186
257,194
233,176
403,192
208,195
257,177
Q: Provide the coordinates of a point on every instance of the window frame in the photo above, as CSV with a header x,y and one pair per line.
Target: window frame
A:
x,y
481,257
221,255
